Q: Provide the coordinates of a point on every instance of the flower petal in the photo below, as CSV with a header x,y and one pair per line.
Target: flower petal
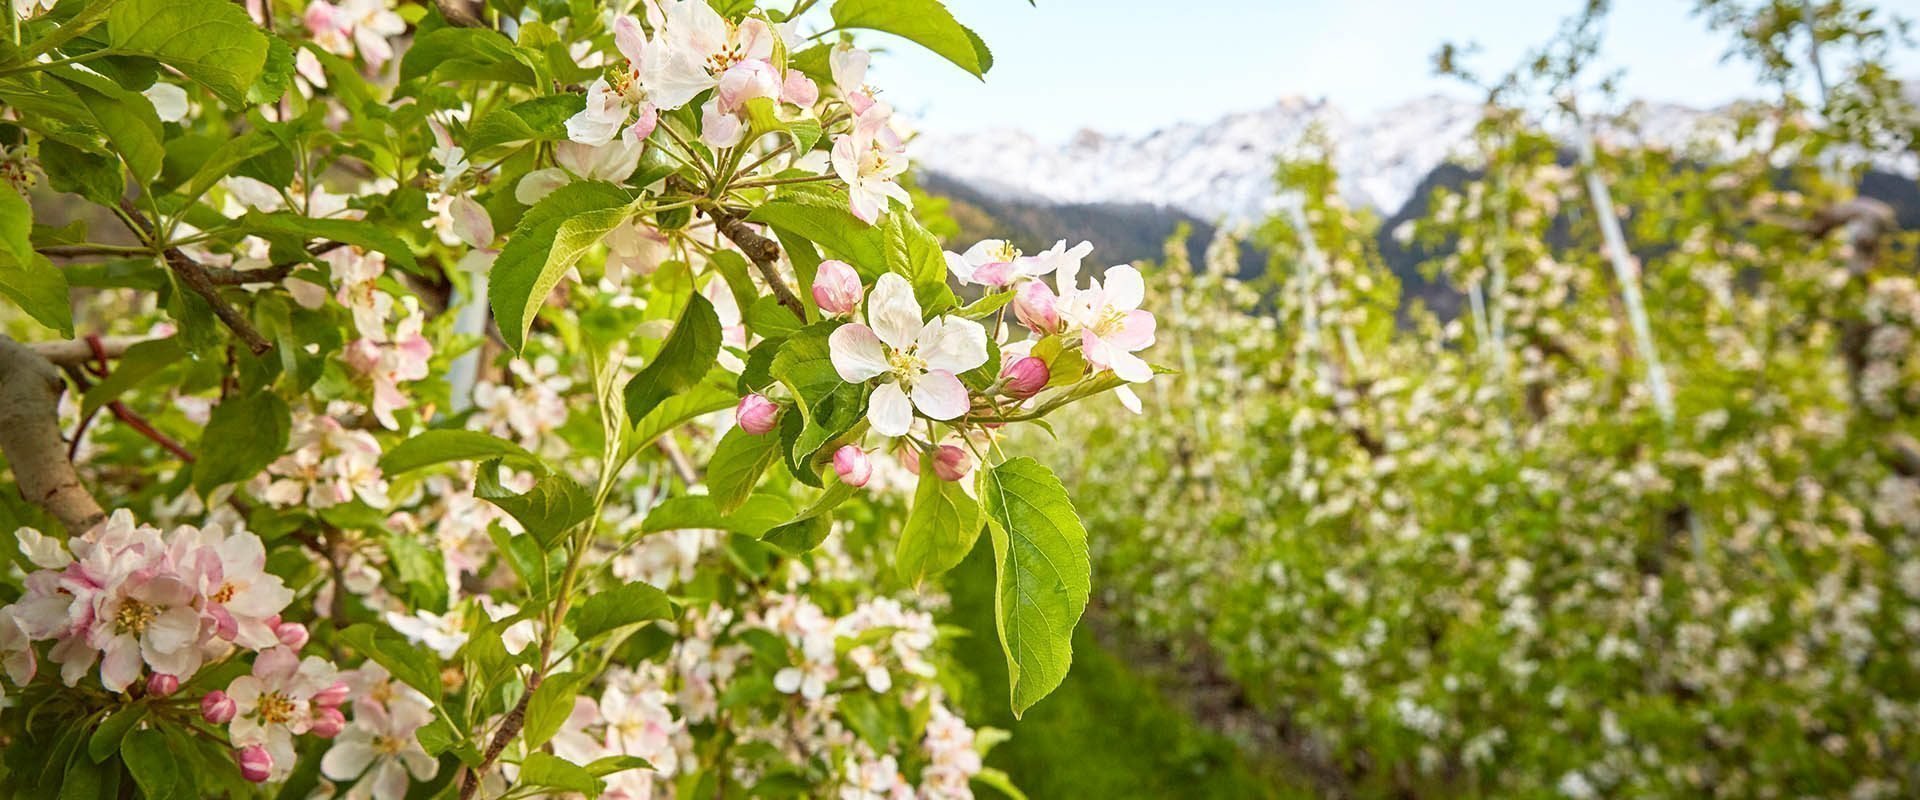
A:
x,y
893,312
890,411
940,395
1136,332
1125,289
856,353
954,344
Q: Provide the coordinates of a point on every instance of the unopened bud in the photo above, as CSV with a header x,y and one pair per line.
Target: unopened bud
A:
x,y
1037,308
851,463
951,463
162,684
218,708
1024,378
332,696
756,414
292,634
256,764
836,287
328,723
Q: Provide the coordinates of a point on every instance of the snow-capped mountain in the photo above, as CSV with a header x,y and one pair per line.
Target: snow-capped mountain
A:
x,y
1223,170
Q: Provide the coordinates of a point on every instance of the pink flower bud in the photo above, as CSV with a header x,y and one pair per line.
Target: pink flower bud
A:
x,y
333,695
951,463
1036,306
852,465
909,458
292,634
218,708
756,414
836,287
256,764
162,684
328,723
1024,378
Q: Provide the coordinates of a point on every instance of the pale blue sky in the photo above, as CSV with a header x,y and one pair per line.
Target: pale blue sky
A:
x,y
1132,66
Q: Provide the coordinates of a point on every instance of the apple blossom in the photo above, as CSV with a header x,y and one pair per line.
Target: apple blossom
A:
x,y
1112,325
145,614
869,160
239,597
836,287
273,703
382,745
921,360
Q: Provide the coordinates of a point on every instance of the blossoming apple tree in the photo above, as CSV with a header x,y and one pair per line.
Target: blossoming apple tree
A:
x,y
510,400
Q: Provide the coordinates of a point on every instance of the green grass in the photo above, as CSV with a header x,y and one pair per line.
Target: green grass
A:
x,y
1106,732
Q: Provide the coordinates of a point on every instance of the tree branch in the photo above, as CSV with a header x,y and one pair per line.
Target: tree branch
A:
x,y
30,388
74,352
763,252
195,276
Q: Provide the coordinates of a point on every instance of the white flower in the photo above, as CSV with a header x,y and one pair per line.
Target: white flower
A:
x,y
382,737
441,633
869,159
922,360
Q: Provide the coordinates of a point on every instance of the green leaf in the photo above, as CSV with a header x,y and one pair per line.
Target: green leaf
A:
x,y
542,119
914,253
552,507
985,306
127,119
212,42
106,738
542,770
714,392
520,279
155,768
71,169
360,234
245,434
811,527
477,54
440,446
609,765
231,154
1043,574
619,607
737,465
413,666
941,528
764,117
140,362
924,22
829,405
26,277
756,515
689,352
83,780
1000,782
276,74
549,707
823,219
